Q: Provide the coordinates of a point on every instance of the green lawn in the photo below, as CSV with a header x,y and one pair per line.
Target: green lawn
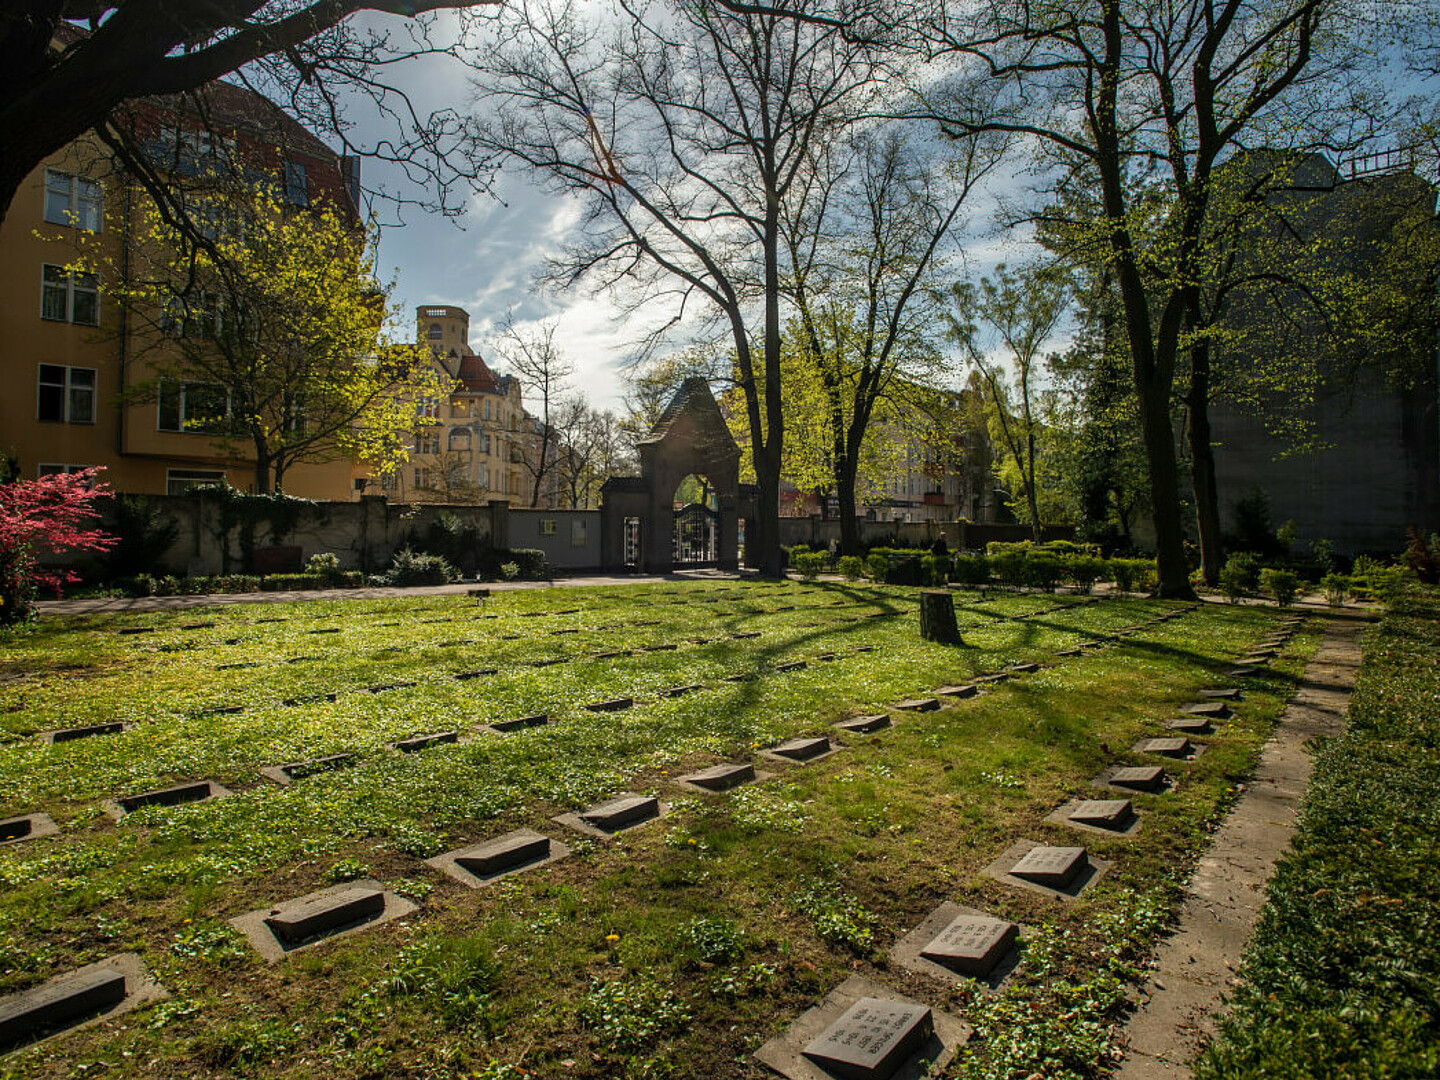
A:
x,y
672,950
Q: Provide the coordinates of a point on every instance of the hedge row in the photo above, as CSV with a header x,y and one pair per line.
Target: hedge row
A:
x,y
1013,565
1342,977
170,585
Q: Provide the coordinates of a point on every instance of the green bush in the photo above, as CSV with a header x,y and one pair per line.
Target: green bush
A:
x,y
851,567
408,568
970,569
1240,575
323,562
1336,587
934,570
808,564
344,579
876,566
1373,580
529,563
1084,570
1281,584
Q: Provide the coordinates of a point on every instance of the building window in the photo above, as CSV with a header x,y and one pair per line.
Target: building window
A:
x,y
427,442
459,439
297,187
194,315
482,476
435,332
485,444
72,200
422,478
389,481
428,408
201,407
547,526
487,410
180,481
66,394
69,297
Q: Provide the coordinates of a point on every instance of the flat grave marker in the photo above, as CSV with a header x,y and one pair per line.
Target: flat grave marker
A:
x,y
298,770
955,940
721,777
478,673
280,929
1246,672
1025,669
791,665
1149,778
1228,693
993,677
416,743
1215,710
863,1030
16,830
681,691
108,987
1061,872
802,749
965,690
1191,725
1175,746
1109,816
519,723
610,705
864,725
928,704
481,863
176,795
626,811
381,688
64,735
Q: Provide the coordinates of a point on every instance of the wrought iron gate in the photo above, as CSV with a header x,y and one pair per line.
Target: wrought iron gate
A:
x,y
697,530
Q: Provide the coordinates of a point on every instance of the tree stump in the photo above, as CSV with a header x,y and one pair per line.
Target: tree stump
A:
x,y
937,617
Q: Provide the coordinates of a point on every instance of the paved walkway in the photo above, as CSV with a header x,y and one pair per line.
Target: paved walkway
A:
x,y
1180,1004
103,605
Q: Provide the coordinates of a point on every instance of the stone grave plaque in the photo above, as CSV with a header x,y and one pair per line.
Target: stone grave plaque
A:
x,y
721,777
1215,710
516,723
959,690
1139,777
59,1001
1070,652
127,630
310,699
238,665
864,648
478,673
971,945
196,625
71,734
380,688
196,791
568,630
872,1039
1024,669
928,704
1190,725
735,678
297,770
1229,693
424,742
568,611
612,654
792,665
612,705
547,663
506,853
864,725
1243,672
994,677
1103,813
325,630
666,647
681,691
302,659
1053,867
803,749
745,635
1175,747
298,921
621,813
825,657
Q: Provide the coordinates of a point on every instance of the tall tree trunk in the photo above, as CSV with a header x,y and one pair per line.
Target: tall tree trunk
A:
x,y
845,473
1032,500
262,469
1202,465
771,561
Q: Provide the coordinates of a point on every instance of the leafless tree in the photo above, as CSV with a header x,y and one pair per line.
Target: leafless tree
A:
x,y
543,371
72,66
1142,100
685,128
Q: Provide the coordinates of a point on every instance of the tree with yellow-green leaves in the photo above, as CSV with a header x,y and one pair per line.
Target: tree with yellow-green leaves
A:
x,y
265,331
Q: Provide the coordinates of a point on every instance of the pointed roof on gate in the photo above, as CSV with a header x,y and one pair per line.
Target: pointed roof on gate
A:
x,y
694,401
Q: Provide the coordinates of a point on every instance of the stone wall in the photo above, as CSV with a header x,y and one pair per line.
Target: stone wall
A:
x,y
569,538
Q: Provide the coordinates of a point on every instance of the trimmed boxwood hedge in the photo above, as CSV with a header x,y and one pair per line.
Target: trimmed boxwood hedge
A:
x,y
1342,977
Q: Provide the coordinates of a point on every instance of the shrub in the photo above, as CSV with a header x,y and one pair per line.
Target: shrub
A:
x,y
808,563
409,569
934,569
510,571
1085,570
1233,578
323,562
1337,587
793,552
143,535
343,579
876,566
851,567
39,517
1281,584
970,569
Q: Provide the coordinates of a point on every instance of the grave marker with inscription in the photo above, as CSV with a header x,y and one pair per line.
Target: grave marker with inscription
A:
x,y
872,1039
1053,867
864,725
803,749
1103,813
972,945
721,777
309,917
1139,777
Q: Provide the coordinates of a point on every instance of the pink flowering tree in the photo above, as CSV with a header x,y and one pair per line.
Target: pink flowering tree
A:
x,y
48,516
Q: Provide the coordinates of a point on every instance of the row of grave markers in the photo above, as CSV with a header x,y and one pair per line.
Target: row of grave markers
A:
x,y
968,943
